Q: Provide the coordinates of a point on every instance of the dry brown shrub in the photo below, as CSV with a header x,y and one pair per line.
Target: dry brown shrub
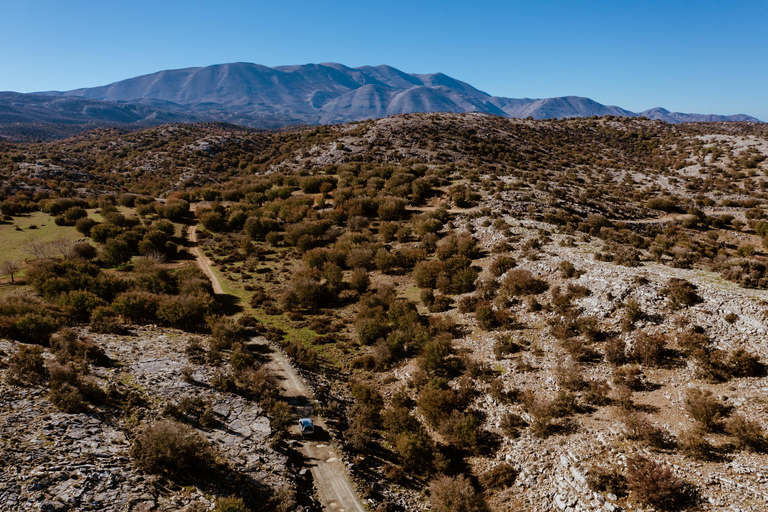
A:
x,y
26,367
455,494
171,448
648,349
747,434
655,485
703,408
500,476
607,479
522,282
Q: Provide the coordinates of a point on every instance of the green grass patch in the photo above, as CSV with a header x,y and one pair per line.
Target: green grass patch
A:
x,y
17,245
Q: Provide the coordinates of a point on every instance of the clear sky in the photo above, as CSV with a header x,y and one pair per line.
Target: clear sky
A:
x,y
704,56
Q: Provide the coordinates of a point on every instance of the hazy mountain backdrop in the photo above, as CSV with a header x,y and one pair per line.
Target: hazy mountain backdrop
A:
x,y
262,97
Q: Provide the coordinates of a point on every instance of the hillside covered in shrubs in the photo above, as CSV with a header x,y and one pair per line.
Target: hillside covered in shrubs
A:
x,y
493,314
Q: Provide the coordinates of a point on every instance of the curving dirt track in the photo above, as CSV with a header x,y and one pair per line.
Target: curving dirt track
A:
x,y
333,485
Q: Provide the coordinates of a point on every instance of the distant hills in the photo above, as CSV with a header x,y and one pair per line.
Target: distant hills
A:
x,y
263,97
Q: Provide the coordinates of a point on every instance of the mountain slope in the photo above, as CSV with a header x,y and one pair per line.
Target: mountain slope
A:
x,y
33,116
259,96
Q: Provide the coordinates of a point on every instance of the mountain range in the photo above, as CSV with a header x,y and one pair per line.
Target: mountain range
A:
x,y
262,97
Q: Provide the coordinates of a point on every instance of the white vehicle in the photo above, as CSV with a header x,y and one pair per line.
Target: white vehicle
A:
x,y
306,426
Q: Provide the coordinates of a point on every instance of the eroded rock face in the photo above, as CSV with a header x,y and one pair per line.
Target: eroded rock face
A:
x,y
54,461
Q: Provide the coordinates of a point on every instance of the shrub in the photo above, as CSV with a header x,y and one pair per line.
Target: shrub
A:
x,y
261,383
655,485
187,311
82,303
468,304
231,504
502,264
170,448
304,355
541,413
522,282
597,392
693,443
747,434
392,208
426,272
84,225
462,430
570,375
511,424
615,350
744,364
703,407
504,346
304,291
500,476
104,320
434,354
436,401
648,349
224,332
137,307
359,280
415,450
26,367
632,313
69,390
68,347
455,494
35,328
370,329
567,269
638,428
489,318
691,341
115,252
680,293
440,304
607,479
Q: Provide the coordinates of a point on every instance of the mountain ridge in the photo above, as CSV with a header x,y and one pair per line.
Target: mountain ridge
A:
x,y
258,96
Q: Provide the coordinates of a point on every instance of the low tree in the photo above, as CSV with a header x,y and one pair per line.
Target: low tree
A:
x,y
9,268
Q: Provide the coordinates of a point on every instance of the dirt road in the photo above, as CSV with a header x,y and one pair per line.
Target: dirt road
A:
x,y
202,261
328,471
334,488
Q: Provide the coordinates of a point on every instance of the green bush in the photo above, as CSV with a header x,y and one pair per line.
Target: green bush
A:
x,y
82,303
115,252
137,307
231,504
104,320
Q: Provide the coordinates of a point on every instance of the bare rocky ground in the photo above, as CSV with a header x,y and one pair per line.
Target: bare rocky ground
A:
x,y
54,461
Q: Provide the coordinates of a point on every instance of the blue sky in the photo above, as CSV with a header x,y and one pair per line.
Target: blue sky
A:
x,y
701,56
